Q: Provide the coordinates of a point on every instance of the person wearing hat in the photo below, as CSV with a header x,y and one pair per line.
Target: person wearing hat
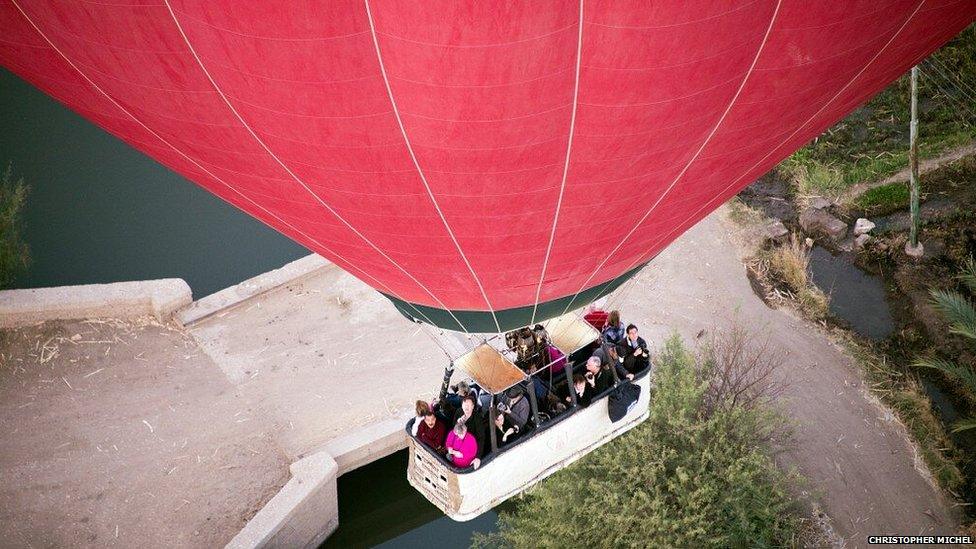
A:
x,y
518,407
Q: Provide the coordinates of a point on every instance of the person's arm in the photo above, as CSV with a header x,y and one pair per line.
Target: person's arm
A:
x,y
416,425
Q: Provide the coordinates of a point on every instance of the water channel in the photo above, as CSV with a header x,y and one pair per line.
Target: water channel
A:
x,y
100,211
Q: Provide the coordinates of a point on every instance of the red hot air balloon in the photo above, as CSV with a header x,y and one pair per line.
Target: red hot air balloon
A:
x,y
483,164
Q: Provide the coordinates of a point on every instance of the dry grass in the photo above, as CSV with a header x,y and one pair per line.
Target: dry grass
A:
x,y
789,263
743,214
815,179
784,273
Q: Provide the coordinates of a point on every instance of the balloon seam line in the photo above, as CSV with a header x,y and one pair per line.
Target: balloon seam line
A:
x,y
416,163
569,150
298,180
694,157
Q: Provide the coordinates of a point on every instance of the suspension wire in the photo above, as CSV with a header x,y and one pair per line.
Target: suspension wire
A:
x,y
959,105
942,84
933,71
956,76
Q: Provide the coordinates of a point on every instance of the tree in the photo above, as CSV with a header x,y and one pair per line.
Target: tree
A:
x,y
692,475
960,312
14,252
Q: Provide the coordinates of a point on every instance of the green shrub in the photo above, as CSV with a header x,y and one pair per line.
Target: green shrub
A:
x,y
14,252
683,478
884,199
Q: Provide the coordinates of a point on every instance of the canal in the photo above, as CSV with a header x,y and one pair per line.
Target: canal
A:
x,y
100,211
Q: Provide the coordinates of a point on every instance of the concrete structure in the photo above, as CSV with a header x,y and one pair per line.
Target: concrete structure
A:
x,y
302,514
159,298
290,273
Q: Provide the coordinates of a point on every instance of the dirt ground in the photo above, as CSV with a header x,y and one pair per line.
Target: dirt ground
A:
x,y
140,434
861,468
125,434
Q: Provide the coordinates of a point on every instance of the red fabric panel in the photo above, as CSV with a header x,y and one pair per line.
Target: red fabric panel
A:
x,y
422,146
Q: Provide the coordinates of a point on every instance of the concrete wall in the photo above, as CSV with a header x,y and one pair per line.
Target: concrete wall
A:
x,y
306,510
302,514
239,293
160,298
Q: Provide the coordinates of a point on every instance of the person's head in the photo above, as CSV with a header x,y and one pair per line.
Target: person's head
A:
x,y
632,332
593,364
430,419
460,429
514,393
463,388
614,318
422,408
499,419
579,382
468,404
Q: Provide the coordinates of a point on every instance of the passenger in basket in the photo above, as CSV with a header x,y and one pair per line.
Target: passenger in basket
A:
x,y
584,394
505,430
432,432
462,448
474,422
422,409
518,407
613,331
632,353
597,376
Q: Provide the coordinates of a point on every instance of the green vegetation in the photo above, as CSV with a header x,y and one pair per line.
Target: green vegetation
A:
x,y
872,142
14,252
812,178
697,473
883,200
904,395
961,315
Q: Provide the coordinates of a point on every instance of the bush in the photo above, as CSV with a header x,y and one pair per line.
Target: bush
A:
x,y
683,478
14,252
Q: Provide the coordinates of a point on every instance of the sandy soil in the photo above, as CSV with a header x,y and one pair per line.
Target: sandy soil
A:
x,y
860,465
125,434
323,357
175,440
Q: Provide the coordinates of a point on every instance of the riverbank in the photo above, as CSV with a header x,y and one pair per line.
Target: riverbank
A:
x,y
302,366
881,308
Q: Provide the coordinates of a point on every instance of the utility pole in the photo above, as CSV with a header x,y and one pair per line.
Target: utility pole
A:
x,y
913,247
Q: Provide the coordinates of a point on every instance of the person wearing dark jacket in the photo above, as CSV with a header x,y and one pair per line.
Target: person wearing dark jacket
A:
x,y
632,353
432,432
505,429
518,409
597,377
474,422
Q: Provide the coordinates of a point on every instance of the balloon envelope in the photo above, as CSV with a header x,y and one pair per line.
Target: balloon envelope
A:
x,y
483,164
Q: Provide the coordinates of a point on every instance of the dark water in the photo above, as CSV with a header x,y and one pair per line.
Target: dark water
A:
x,y
100,211
379,508
856,297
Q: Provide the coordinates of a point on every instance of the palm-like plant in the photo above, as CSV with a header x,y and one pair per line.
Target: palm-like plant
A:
x,y
961,314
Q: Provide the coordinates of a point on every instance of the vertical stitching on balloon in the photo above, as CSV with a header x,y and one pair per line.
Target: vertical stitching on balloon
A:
x,y
191,159
569,150
694,157
413,157
261,142
785,141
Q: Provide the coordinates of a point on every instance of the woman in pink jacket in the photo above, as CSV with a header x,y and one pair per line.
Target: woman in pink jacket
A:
x,y
462,448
